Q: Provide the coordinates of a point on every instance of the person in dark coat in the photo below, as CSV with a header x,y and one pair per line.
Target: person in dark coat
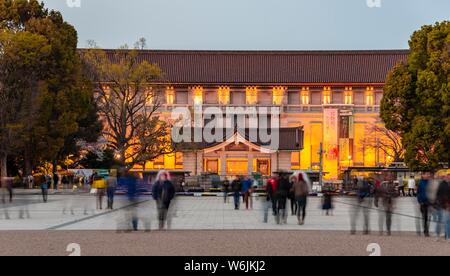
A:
x,y
226,190
236,187
422,198
282,194
163,192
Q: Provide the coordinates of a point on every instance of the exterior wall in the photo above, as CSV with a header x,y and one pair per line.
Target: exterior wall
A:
x,y
189,162
284,159
294,114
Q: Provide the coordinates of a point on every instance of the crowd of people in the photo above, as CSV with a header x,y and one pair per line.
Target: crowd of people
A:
x,y
433,200
283,194
280,190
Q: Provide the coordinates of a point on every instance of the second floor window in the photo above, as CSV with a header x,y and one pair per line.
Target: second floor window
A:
x,y
170,95
348,95
198,95
278,95
370,96
224,95
305,96
251,95
326,95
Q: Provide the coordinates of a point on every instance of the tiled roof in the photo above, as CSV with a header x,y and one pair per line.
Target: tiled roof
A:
x,y
272,67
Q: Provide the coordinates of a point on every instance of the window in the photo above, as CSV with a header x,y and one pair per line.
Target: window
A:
x,y
326,95
348,95
293,97
181,97
212,166
278,95
305,96
170,95
251,95
370,96
238,98
198,95
223,95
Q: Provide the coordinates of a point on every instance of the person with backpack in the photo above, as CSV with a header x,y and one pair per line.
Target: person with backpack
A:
x,y
163,193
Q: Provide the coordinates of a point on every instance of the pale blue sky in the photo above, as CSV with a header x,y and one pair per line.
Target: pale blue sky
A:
x,y
251,24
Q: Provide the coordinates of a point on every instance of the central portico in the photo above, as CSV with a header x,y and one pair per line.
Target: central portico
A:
x,y
238,156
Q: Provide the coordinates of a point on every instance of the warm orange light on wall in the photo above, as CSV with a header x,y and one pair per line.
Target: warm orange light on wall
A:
x,y
305,95
370,96
326,99
251,94
170,95
223,95
278,95
348,95
198,94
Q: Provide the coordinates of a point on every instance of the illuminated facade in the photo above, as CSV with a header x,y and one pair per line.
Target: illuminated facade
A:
x,y
332,95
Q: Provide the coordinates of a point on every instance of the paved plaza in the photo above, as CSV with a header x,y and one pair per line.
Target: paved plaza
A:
x,y
200,226
78,212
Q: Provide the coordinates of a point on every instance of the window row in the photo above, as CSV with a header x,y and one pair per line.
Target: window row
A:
x,y
276,96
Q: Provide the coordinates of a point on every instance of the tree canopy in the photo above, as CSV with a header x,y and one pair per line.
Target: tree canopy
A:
x,y
416,102
58,105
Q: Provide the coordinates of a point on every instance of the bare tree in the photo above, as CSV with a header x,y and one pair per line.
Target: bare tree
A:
x,y
127,98
378,137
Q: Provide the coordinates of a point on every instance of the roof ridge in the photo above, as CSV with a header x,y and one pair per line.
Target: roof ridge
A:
x,y
269,52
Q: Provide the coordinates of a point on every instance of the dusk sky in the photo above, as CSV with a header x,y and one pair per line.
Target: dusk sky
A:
x,y
251,24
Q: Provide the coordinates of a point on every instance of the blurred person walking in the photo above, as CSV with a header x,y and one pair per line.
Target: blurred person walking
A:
x,y
363,204
45,186
422,198
282,195
163,192
270,199
442,206
291,196
7,195
100,186
8,191
271,189
111,188
246,183
385,202
327,202
301,191
412,186
236,187
226,190
129,181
